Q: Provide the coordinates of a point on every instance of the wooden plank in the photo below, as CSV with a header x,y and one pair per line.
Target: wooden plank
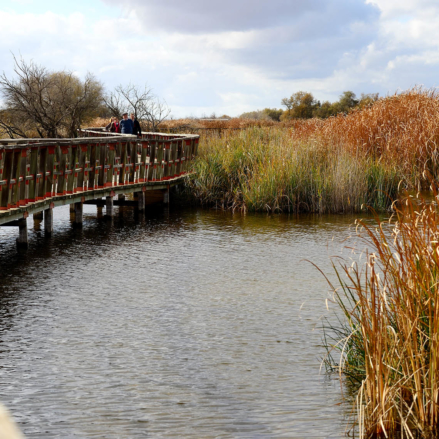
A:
x,y
81,173
72,158
41,181
92,149
50,168
159,160
33,172
15,183
7,170
123,162
24,185
63,152
110,161
143,172
103,159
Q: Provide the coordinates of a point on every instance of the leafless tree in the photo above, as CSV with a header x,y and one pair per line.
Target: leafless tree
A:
x,y
148,109
47,104
158,111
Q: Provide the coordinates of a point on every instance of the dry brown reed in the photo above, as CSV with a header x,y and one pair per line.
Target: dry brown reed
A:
x,y
389,342
402,129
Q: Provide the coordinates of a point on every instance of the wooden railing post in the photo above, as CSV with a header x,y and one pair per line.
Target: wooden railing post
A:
x,y
103,158
81,167
91,169
143,173
159,160
15,180
7,171
50,168
41,181
111,170
33,173
123,162
63,152
72,174
24,185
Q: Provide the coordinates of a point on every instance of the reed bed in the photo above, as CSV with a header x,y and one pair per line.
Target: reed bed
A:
x,y
262,169
401,129
333,165
388,340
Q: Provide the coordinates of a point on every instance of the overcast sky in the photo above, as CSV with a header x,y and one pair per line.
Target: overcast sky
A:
x,y
230,56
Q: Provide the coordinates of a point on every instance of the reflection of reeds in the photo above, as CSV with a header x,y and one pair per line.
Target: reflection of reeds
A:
x,y
389,337
261,169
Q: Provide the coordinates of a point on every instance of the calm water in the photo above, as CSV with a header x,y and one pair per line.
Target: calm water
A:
x,y
191,323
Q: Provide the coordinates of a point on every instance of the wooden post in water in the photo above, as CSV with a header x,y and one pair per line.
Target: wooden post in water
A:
x,y
22,240
48,221
38,216
166,195
109,206
140,201
78,213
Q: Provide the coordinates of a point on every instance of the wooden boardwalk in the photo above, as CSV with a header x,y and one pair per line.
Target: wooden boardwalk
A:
x,y
37,175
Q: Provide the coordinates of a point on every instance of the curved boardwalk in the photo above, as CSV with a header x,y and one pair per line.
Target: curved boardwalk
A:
x,y
38,175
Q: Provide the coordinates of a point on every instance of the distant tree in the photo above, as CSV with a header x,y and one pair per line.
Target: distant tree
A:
x,y
300,105
47,104
257,115
273,113
325,110
368,99
148,109
347,101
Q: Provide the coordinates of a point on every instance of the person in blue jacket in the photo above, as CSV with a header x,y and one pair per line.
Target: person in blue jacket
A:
x,y
126,125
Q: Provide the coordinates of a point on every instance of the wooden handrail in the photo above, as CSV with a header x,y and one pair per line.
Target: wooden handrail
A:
x,y
32,170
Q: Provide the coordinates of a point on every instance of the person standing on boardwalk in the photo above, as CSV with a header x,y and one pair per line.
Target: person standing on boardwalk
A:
x,y
136,130
126,125
113,126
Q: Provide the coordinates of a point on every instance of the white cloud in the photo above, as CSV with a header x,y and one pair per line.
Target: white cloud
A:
x,y
321,46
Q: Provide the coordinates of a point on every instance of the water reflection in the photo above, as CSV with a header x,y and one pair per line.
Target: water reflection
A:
x,y
177,323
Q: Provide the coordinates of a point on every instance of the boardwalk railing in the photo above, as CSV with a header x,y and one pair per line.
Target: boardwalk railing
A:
x,y
37,174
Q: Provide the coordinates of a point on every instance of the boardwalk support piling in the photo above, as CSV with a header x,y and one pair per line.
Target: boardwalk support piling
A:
x,y
48,221
141,201
109,206
38,216
166,195
78,213
22,240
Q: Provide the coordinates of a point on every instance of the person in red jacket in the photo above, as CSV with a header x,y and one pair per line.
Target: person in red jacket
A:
x,y
113,126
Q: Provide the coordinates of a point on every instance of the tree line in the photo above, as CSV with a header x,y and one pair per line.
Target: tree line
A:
x,y
303,105
38,102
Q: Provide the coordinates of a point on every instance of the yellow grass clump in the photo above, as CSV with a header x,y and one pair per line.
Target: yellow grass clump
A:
x,y
389,340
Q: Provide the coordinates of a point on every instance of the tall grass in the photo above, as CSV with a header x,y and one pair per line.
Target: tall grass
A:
x,y
402,129
331,165
262,169
388,341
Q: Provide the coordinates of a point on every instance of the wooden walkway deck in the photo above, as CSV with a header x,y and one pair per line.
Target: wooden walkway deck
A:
x,y
37,175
